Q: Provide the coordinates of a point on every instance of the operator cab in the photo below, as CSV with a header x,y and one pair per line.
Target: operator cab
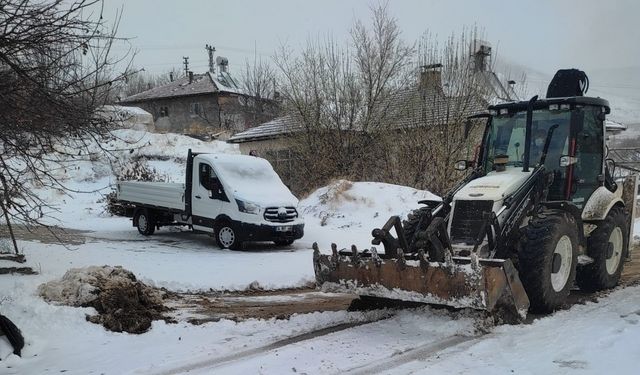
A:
x,y
570,132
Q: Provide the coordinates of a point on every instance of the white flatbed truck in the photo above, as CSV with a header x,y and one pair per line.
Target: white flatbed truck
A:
x,y
237,198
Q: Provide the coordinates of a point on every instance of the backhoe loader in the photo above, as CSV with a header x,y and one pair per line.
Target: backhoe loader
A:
x,y
538,212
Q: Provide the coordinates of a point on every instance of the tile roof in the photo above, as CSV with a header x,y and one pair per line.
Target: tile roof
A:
x,y
202,84
419,107
408,112
271,129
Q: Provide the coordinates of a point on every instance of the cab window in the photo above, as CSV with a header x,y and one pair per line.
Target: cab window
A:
x,y
207,176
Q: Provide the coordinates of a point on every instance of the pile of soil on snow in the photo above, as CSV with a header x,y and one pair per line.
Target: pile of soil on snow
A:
x,y
123,303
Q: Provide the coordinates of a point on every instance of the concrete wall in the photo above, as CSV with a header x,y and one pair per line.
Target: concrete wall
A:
x,y
262,147
181,119
218,112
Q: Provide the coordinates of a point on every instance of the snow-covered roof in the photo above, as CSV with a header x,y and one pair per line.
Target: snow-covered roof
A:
x,y
268,130
427,106
614,127
206,83
132,111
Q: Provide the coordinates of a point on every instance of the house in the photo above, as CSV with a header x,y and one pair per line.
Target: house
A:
x,y
430,114
425,104
430,101
203,104
269,136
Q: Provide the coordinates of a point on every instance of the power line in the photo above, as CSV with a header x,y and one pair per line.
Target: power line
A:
x,y
194,46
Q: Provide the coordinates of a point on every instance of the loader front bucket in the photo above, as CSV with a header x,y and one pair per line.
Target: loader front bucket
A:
x,y
460,282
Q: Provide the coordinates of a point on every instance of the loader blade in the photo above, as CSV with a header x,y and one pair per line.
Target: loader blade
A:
x,y
464,282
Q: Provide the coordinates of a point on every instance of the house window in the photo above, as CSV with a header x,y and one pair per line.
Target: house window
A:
x,y
164,111
196,109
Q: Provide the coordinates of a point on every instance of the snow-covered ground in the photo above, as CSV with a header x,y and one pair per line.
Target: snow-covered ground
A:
x,y
588,338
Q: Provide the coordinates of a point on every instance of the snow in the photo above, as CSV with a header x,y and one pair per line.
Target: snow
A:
x,y
130,117
592,338
345,212
244,173
595,338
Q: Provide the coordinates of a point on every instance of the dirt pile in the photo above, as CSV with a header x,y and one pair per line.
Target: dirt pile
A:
x,y
123,303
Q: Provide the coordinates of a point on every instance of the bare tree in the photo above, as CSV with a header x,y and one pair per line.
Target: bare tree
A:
x,y
55,70
138,80
433,131
340,96
260,97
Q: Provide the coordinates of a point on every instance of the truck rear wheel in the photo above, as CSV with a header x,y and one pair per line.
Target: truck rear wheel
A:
x,y
227,236
607,246
547,262
146,223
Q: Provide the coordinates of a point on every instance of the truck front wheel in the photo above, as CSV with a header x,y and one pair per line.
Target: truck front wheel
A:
x,y
146,224
227,236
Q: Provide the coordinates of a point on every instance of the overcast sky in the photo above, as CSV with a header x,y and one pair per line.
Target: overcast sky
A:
x,y
542,35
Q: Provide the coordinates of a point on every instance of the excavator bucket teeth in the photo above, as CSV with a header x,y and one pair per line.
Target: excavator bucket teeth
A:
x,y
460,282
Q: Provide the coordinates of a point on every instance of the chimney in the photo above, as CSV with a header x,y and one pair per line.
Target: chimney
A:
x,y
190,77
431,77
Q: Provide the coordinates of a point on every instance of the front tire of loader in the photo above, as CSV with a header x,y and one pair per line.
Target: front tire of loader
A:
x,y
410,225
607,246
548,259
413,226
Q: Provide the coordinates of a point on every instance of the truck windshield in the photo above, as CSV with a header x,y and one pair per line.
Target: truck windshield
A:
x,y
506,136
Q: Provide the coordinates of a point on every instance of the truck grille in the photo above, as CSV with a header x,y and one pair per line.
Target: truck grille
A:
x,y
280,214
467,219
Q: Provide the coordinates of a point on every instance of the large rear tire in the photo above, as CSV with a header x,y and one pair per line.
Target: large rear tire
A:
x,y
607,246
547,261
146,222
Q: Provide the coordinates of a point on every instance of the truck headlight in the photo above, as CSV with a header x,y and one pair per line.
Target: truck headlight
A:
x,y
248,207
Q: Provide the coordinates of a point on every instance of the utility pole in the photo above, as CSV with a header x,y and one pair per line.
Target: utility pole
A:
x,y
211,50
186,65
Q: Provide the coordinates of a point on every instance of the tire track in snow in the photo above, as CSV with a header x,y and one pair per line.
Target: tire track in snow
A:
x,y
420,353
211,364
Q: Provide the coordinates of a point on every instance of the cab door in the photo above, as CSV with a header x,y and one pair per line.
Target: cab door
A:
x,y
586,175
206,191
